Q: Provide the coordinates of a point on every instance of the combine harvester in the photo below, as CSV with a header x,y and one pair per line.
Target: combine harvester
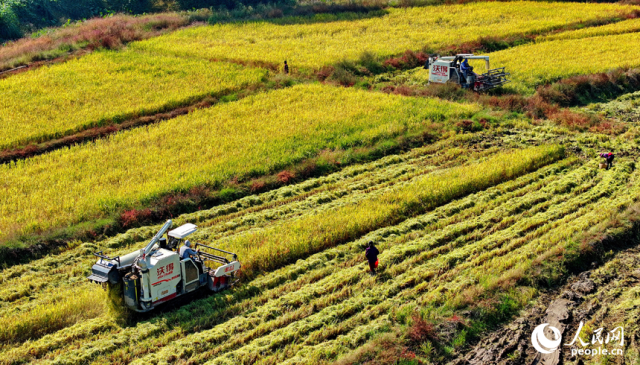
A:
x,y
156,274
446,69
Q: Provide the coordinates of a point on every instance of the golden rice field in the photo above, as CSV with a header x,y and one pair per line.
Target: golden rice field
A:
x,y
467,225
544,62
270,248
626,26
255,135
312,46
104,87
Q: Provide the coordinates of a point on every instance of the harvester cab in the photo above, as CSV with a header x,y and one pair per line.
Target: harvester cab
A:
x,y
157,274
447,69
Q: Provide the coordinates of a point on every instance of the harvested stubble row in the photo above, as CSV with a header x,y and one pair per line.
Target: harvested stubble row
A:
x,y
539,63
106,87
436,278
581,188
255,135
316,45
109,342
318,294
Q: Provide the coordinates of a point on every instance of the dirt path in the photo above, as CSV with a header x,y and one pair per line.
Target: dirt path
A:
x,y
606,297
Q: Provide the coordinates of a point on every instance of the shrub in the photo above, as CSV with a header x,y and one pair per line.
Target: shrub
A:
x,y
324,72
257,186
538,108
229,194
9,24
573,120
343,76
135,217
286,176
470,125
408,60
421,331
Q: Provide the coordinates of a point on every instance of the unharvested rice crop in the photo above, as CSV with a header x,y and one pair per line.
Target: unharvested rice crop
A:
x,y
255,135
106,87
316,45
544,62
271,248
626,26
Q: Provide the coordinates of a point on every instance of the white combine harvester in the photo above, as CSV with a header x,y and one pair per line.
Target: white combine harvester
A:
x,y
446,69
156,274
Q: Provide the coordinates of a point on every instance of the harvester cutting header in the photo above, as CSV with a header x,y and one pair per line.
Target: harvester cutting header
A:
x,y
456,69
158,273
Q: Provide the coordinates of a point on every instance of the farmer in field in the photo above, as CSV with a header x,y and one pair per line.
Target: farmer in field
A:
x,y
286,67
186,251
371,253
608,158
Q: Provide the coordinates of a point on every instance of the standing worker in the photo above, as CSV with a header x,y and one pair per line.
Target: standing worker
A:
x,y
286,67
608,158
371,253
